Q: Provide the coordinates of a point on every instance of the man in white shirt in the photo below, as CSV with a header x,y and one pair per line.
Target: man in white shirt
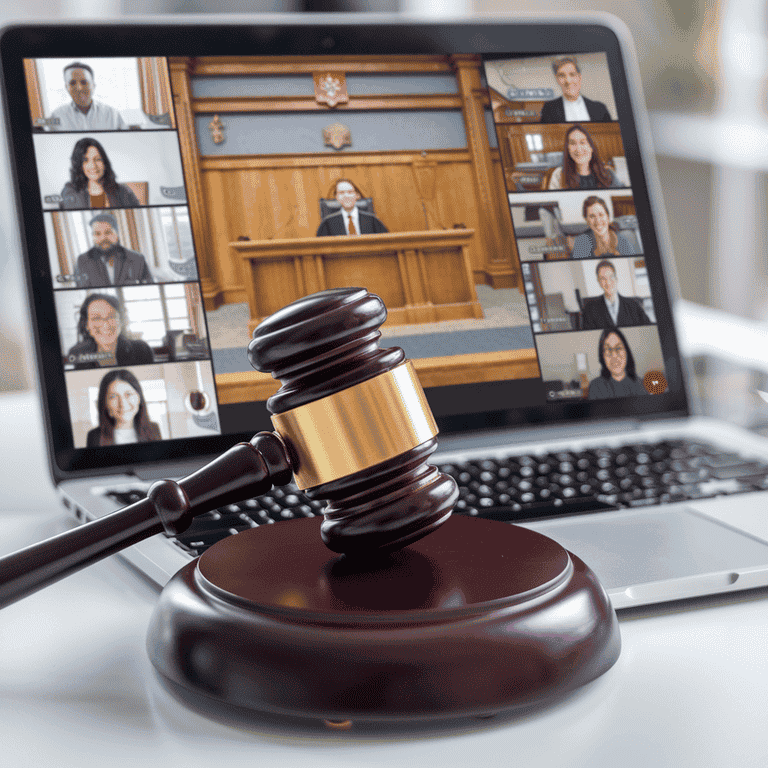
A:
x,y
572,107
350,220
83,113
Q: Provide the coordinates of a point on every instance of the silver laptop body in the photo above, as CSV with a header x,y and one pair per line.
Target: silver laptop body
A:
x,y
643,553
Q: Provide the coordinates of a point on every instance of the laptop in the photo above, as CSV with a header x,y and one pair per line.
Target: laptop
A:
x,y
178,180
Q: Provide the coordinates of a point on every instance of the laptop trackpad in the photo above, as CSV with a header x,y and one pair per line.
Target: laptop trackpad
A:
x,y
630,549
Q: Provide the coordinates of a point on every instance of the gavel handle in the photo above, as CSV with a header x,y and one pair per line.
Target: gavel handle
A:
x,y
244,471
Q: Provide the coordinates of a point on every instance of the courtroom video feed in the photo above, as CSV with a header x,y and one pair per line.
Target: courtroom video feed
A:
x,y
124,169
132,325
305,196
99,94
600,365
118,247
575,225
143,403
568,88
588,294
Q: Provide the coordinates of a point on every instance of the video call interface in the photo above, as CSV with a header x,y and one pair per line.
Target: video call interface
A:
x,y
144,359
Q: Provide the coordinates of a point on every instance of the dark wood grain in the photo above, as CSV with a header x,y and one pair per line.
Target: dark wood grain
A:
x,y
479,618
320,345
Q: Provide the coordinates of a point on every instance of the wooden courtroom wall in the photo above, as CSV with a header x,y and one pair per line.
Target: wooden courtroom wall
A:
x,y
277,196
273,198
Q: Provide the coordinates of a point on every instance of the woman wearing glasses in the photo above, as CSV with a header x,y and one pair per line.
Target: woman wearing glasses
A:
x,y
101,339
618,377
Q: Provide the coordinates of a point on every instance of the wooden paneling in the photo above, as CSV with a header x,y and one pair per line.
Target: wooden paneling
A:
x,y
198,202
268,198
253,386
33,90
623,205
505,111
501,264
294,65
339,160
422,277
253,104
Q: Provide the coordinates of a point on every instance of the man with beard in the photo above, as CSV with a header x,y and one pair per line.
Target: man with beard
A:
x,y
108,262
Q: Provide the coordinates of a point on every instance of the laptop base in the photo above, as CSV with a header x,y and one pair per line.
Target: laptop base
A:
x,y
478,618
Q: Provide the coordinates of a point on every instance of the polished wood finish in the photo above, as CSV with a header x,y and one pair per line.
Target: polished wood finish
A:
x,y
249,104
326,344
196,194
479,618
421,276
623,205
501,263
211,66
506,365
377,162
506,111
246,470
33,90
276,196
155,88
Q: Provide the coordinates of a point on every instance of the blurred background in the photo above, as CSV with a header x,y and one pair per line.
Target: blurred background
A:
x,y
704,69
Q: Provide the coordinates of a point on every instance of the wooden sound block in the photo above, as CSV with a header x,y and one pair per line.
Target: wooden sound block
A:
x,y
478,618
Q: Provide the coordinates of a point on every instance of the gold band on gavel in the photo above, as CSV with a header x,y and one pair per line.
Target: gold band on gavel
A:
x,y
357,428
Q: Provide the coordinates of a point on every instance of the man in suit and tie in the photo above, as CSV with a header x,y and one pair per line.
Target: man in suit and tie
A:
x,y
572,107
350,220
611,310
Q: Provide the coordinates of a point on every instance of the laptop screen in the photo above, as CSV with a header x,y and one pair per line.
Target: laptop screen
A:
x,y
181,187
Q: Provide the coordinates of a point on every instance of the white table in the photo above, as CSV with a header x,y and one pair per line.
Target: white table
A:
x,y
77,688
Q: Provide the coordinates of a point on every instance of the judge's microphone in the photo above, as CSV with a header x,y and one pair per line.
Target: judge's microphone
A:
x,y
352,425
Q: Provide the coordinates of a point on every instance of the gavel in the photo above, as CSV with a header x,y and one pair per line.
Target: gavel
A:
x,y
361,615
352,426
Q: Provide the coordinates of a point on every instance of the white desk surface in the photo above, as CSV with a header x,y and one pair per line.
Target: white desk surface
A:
x,y
77,689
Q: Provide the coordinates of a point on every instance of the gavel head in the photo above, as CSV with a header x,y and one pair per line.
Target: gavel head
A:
x,y
354,421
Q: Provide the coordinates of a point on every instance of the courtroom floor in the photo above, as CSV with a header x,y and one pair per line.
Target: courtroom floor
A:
x,y
503,307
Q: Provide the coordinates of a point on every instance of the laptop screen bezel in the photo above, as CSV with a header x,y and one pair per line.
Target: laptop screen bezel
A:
x,y
457,408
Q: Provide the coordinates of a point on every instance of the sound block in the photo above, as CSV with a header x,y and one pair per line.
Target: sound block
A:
x,y
477,618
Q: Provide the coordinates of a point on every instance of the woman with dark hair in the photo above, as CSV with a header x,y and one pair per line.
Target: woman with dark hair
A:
x,y
582,167
602,238
122,410
618,377
92,182
101,341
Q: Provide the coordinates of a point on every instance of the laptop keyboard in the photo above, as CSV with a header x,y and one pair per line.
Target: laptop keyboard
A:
x,y
529,487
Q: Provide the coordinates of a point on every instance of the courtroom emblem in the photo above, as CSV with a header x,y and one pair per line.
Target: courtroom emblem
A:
x,y
337,136
330,89
216,127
